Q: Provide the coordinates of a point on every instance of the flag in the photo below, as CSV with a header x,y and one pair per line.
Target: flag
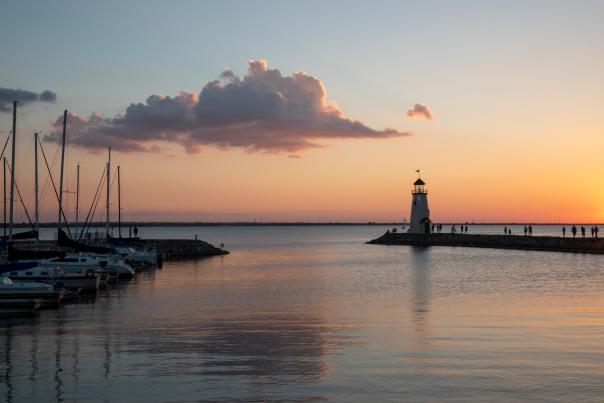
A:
x,y
417,171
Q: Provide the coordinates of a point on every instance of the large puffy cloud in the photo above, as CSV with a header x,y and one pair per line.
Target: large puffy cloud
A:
x,y
420,111
8,95
261,111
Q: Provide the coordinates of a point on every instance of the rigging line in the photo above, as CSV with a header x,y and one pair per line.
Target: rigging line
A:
x,y
85,223
45,186
6,143
93,208
95,199
55,189
113,180
23,203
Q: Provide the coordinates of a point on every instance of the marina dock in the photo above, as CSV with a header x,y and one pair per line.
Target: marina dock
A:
x,y
538,243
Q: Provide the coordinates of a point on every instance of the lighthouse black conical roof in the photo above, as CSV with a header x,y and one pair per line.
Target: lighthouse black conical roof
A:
x,y
419,182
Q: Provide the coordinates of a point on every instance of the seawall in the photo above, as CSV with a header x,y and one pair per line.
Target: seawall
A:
x,y
540,243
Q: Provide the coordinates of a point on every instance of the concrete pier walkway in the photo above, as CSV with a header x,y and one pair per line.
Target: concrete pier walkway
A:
x,y
540,243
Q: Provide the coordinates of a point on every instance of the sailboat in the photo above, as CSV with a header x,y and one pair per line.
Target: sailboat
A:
x,y
101,259
129,248
13,253
17,290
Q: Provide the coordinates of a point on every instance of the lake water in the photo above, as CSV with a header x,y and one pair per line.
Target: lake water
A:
x,y
313,313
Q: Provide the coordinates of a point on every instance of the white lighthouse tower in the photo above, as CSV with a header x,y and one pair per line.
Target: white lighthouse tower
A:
x,y
420,213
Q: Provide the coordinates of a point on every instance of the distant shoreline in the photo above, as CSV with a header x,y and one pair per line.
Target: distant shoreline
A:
x,y
279,224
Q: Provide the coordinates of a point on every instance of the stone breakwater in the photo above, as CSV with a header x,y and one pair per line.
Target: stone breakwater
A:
x,y
167,248
182,248
540,243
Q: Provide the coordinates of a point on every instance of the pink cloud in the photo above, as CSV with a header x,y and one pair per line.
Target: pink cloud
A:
x,y
260,111
420,111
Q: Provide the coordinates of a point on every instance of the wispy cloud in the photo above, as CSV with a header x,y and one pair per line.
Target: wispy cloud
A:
x,y
420,111
260,111
8,95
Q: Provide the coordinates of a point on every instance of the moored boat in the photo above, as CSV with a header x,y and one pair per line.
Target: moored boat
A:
x,y
96,262
49,296
136,257
84,279
13,290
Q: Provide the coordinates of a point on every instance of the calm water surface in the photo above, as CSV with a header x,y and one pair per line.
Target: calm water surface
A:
x,y
312,313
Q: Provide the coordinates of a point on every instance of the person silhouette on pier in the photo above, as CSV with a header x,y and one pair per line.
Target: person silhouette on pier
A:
x,y
530,229
563,232
525,230
505,230
596,229
574,231
583,231
591,229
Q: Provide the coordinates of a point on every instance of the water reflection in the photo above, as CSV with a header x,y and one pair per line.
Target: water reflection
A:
x,y
270,348
8,365
260,349
420,297
291,323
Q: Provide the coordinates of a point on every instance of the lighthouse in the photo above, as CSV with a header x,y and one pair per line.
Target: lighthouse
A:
x,y
420,213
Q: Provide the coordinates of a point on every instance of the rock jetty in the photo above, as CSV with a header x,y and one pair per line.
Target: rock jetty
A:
x,y
182,248
166,248
540,243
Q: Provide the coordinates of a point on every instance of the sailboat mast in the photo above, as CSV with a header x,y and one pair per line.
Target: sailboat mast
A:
x,y
37,212
108,190
119,203
77,212
4,185
12,173
62,168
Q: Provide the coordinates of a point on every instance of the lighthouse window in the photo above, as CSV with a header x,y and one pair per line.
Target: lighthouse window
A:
x,y
415,202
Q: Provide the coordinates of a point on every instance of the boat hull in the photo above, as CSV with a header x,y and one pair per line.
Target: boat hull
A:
x,y
85,284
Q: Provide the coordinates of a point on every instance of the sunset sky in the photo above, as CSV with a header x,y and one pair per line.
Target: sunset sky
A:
x,y
314,111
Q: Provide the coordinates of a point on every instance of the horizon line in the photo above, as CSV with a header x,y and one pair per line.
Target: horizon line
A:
x,y
284,223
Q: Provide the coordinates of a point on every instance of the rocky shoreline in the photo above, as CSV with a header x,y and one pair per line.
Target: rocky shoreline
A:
x,y
538,243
